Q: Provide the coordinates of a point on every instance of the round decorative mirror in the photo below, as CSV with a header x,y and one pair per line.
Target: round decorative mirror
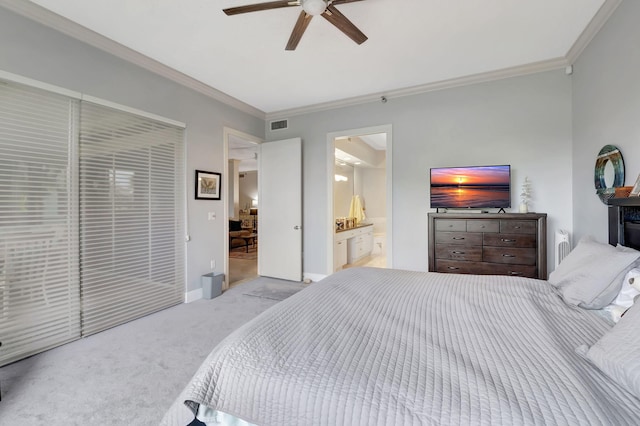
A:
x,y
609,166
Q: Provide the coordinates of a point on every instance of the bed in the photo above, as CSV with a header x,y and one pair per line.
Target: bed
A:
x,y
387,347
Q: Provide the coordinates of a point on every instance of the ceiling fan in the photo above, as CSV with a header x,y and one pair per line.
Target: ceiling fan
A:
x,y
310,8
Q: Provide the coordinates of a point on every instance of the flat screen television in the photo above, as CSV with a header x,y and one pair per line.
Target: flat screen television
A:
x,y
471,187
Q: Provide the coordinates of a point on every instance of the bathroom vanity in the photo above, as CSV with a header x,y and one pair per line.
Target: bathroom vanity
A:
x,y
351,245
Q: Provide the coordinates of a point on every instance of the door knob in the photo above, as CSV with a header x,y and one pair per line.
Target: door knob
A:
x,y
297,227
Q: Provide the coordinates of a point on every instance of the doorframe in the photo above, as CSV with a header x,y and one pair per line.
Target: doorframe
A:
x,y
388,129
226,132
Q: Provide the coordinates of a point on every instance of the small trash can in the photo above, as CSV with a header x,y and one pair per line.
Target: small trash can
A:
x,y
211,285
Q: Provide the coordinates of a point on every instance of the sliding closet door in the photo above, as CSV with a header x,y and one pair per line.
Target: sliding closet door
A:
x,y
132,216
39,280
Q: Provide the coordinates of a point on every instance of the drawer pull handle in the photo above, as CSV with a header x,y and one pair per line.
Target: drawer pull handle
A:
x,y
508,255
458,238
514,273
516,227
452,268
507,240
457,252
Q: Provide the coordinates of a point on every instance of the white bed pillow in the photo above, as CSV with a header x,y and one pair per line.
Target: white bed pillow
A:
x,y
628,292
592,273
617,353
625,297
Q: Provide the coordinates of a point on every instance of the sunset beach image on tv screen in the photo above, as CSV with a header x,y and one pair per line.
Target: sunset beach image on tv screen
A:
x,y
471,187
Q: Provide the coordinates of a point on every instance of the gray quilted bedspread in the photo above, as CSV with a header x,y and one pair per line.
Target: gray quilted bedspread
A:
x,y
383,347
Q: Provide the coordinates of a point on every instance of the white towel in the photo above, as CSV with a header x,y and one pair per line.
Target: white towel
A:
x,y
356,210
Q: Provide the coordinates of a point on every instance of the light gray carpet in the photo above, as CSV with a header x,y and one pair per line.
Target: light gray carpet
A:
x,y
274,291
131,374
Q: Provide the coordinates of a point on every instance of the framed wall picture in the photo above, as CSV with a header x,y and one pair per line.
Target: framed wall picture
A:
x,y
207,185
635,192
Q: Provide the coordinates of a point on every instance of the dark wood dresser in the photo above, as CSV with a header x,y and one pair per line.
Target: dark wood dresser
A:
x,y
489,244
624,221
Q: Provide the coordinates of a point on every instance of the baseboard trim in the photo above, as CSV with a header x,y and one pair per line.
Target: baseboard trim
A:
x,y
193,295
313,277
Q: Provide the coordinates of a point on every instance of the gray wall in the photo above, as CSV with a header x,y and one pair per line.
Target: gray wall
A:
x,y
606,99
248,189
528,122
34,51
523,121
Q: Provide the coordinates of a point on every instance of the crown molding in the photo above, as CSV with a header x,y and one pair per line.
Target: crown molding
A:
x,y
59,23
536,67
595,25
52,20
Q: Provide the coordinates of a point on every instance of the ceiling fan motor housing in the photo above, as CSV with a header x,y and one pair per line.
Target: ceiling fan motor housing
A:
x,y
314,7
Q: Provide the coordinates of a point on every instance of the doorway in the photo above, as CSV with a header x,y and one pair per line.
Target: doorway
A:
x,y
360,198
241,207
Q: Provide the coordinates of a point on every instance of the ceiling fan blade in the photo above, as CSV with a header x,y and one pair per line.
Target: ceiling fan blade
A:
x,y
341,22
260,6
301,25
343,1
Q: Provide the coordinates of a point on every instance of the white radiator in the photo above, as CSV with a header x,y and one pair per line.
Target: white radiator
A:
x,y
562,244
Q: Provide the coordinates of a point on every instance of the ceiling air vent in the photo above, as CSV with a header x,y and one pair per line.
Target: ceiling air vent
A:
x,y
279,125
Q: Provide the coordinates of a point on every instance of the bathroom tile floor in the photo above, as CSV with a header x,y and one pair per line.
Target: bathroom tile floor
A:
x,y
374,261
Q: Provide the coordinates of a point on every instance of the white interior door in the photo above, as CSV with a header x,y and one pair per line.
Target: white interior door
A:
x,y
280,210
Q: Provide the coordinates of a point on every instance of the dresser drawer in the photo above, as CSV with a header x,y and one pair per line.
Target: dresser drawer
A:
x,y
510,240
510,255
518,226
458,252
462,238
458,267
481,225
511,270
451,225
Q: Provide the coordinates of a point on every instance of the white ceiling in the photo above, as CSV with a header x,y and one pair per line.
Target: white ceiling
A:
x,y
412,43
376,140
245,151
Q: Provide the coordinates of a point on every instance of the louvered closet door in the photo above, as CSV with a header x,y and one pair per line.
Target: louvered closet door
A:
x,y
132,216
39,281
